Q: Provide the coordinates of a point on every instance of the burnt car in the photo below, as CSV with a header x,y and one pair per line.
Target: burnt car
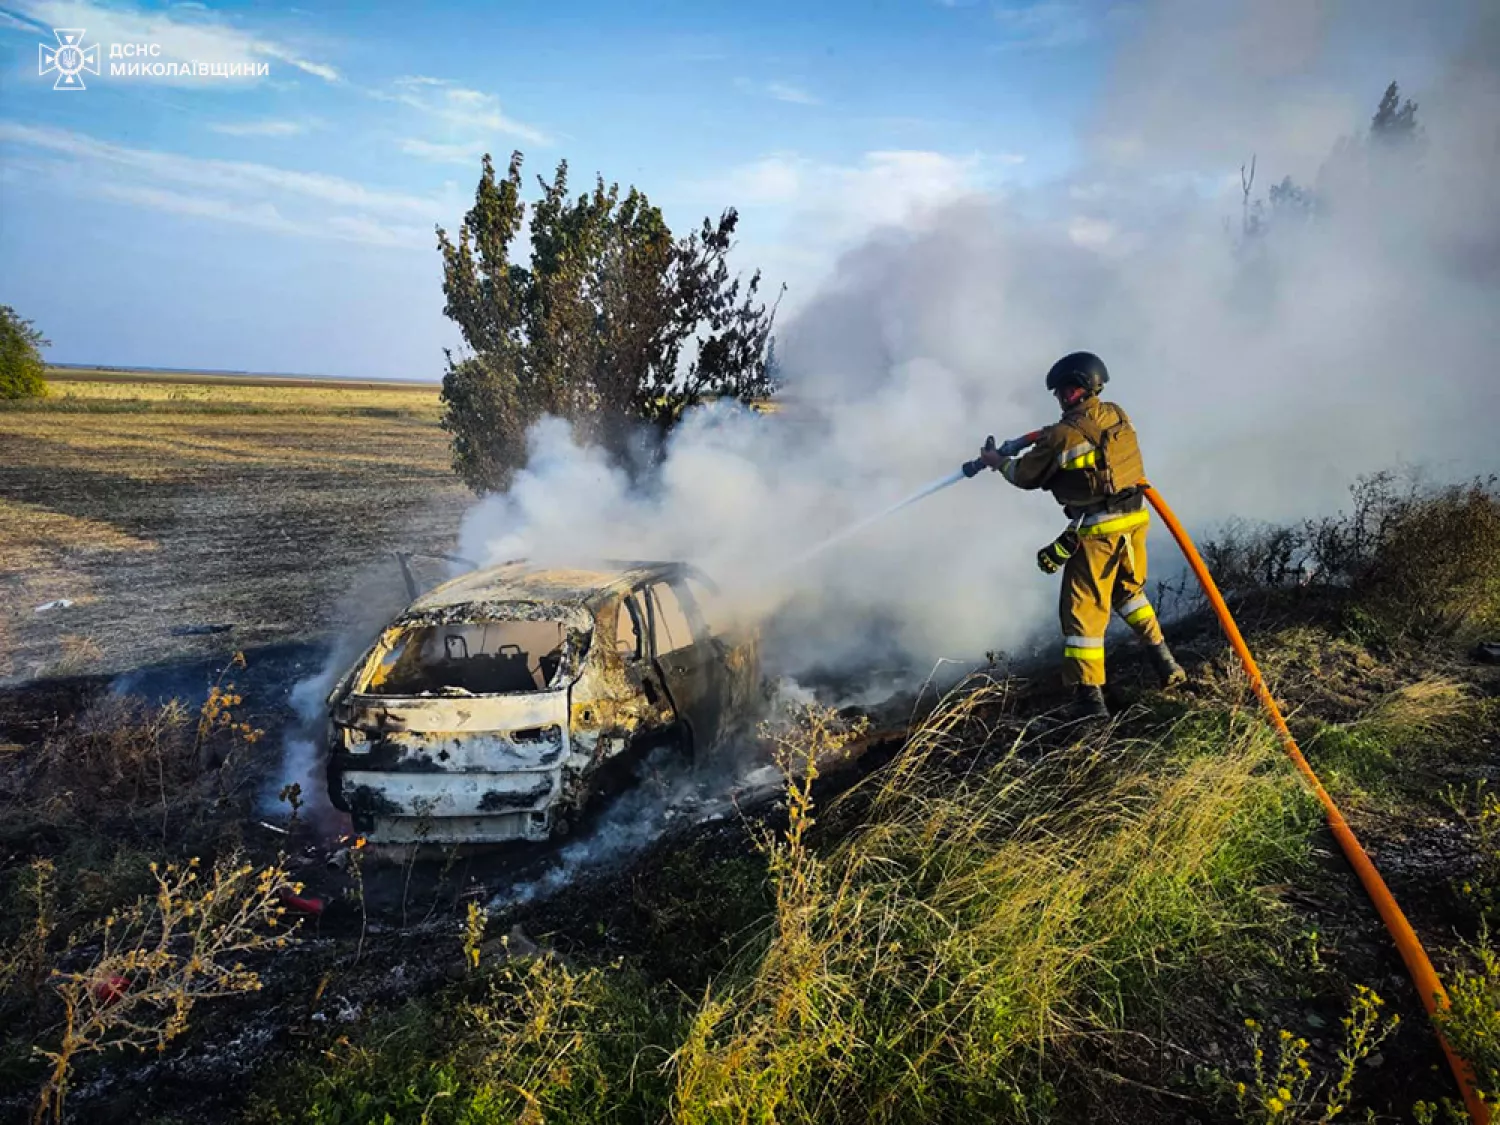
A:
x,y
499,703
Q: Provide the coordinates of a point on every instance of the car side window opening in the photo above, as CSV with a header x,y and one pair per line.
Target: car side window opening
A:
x,y
673,631
627,635
471,658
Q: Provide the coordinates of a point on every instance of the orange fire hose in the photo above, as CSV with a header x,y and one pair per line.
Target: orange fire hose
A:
x,y
1417,962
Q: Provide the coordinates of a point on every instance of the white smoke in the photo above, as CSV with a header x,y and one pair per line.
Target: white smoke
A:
x,y
364,610
1263,377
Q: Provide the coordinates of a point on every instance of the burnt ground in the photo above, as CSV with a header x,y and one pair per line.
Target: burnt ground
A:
x,y
649,898
385,934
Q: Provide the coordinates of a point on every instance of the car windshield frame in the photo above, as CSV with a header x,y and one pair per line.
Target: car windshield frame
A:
x,y
575,624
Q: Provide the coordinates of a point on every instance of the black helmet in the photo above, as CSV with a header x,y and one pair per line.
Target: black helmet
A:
x,y
1081,369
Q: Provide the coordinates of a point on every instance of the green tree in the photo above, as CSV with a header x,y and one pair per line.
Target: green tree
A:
x,y
1395,122
22,372
613,323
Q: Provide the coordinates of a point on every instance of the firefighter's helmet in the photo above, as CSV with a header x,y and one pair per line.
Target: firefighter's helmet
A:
x,y
1080,369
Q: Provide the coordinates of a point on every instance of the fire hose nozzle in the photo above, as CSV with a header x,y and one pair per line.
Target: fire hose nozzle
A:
x,y
972,468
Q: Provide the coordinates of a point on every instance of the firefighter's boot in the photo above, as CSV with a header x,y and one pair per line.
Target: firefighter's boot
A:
x,y
1168,671
1087,703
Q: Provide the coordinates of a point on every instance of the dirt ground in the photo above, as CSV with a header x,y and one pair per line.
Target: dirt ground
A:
x,y
165,510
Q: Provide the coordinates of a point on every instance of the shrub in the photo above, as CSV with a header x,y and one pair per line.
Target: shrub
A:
x,y
124,759
1422,560
1471,1023
22,372
1437,569
1478,809
535,1040
154,960
1287,1091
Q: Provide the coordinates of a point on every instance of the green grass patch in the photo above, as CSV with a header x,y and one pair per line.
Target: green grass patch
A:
x,y
532,1040
1349,759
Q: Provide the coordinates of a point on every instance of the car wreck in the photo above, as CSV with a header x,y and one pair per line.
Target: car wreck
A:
x,y
499,703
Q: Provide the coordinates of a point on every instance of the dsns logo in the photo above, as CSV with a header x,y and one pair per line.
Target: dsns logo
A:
x,y
70,58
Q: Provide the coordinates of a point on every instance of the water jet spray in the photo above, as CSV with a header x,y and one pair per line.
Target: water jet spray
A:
x,y
965,471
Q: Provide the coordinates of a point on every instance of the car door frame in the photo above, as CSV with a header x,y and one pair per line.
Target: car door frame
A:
x,y
643,663
692,673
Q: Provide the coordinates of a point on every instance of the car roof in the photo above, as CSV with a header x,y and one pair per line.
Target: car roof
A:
x,y
522,582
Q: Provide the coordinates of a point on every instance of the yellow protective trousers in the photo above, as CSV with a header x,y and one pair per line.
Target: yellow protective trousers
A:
x,y
1107,573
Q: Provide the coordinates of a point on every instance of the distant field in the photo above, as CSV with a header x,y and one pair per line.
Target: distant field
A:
x,y
157,504
134,375
129,393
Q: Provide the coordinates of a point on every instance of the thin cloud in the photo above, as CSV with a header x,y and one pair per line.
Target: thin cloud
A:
x,y
779,91
183,34
317,70
691,48
20,23
1048,25
469,117
270,128
231,174
260,195
263,215
845,200
467,152
786,92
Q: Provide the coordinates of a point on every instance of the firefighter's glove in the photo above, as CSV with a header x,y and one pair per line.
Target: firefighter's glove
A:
x,y
990,455
1055,555
1014,447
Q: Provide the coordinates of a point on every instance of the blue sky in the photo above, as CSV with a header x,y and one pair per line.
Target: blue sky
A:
x,y
284,223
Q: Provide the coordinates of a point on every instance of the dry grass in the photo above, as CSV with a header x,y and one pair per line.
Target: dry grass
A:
x,y
994,927
152,961
102,946
126,762
975,949
158,504
968,931
1424,714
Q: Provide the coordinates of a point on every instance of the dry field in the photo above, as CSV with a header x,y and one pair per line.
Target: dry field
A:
x,y
158,506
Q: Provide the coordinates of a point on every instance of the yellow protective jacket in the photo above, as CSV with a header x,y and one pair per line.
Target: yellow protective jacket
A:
x,y
1066,462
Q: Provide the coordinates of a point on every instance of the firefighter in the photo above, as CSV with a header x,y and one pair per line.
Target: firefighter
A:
x,y
1091,463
